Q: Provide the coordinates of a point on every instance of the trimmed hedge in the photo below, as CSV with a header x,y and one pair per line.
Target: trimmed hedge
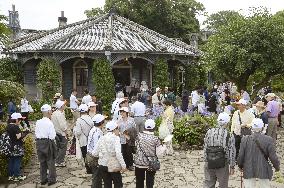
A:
x,y
29,149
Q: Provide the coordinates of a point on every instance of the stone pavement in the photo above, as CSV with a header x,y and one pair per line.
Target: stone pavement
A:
x,y
182,170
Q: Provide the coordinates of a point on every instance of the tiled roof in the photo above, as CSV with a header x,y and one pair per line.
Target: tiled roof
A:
x,y
100,33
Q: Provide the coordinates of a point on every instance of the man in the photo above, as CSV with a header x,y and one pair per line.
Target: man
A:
x,y
241,119
60,124
87,98
11,108
138,110
25,110
171,97
220,138
95,134
253,157
157,98
194,99
74,106
273,110
46,148
166,92
96,100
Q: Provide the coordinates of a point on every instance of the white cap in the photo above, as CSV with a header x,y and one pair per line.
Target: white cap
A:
x,y
45,108
83,108
98,118
111,125
16,116
150,124
158,89
257,123
223,118
242,101
125,109
59,104
91,104
270,95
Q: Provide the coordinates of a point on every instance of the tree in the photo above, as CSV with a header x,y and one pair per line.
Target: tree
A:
x,y
49,78
10,90
104,82
247,45
4,29
11,70
195,75
161,74
173,18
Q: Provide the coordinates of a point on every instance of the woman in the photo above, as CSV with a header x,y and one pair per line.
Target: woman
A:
x,y
81,130
16,136
92,109
111,163
147,144
127,129
167,120
262,114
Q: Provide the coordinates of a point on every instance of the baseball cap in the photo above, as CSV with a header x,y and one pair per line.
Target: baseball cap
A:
x,y
45,108
242,101
83,108
59,104
158,89
223,118
270,95
91,104
98,118
150,124
111,125
257,123
16,116
125,109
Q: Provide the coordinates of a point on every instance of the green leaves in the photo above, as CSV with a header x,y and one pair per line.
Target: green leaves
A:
x,y
10,90
11,70
161,75
104,82
49,78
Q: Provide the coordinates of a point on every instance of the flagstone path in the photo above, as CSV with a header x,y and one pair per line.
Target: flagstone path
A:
x,y
182,170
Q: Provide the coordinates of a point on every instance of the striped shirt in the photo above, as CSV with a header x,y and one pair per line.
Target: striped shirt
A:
x,y
221,137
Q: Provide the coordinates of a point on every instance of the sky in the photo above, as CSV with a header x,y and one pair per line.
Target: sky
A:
x,y
43,14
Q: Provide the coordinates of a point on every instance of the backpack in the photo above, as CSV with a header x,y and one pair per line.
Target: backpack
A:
x,y
5,144
216,156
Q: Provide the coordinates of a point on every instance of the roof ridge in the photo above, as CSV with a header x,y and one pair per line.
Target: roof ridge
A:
x,y
176,42
73,33
47,32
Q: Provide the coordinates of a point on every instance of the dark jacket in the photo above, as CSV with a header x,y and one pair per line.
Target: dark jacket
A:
x,y
46,150
251,159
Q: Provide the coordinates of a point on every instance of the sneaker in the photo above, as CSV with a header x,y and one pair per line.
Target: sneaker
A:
x,y
60,164
10,178
20,178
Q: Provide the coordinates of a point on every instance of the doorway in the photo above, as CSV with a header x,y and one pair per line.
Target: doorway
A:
x,y
80,77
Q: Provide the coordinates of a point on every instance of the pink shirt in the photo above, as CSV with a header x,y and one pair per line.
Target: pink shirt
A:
x,y
274,108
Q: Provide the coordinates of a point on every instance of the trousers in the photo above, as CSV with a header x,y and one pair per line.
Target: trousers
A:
x,y
110,177
14,166
140,177
253,183
213,175
272,127
96,178
61,143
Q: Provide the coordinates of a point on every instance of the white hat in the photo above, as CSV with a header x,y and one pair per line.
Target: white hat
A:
x,y
91,104
257,123
59,104
242,101
223,118
125,109
98,118
16,116
83,108
111,125
57,95
270,95
45,108
150,124
158,89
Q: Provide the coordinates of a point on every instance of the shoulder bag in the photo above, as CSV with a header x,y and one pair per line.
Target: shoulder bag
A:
x,y
153,161
244,130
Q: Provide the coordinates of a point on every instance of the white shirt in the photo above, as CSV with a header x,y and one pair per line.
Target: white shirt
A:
x,y
138,109
24,105
194,98
93,138
107,145
73,102
59,121
45,129
246,119
86,99
82,129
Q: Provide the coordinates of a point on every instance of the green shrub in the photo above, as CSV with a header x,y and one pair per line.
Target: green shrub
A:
x,y
11,70
10,90
161,75
104,83
29,149
36,105
190,130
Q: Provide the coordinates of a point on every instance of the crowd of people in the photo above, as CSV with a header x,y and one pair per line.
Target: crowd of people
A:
x,y
125,141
